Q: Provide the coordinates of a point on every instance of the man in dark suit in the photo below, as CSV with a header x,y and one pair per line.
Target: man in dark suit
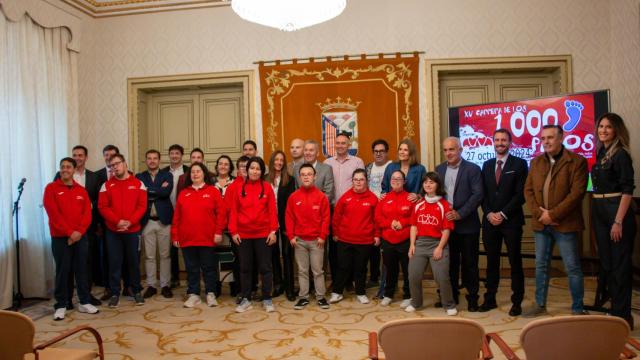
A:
x,y
156,224
463,183
89,180
503,178
176,168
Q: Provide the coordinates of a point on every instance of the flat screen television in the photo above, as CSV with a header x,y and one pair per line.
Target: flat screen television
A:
x,y
576,113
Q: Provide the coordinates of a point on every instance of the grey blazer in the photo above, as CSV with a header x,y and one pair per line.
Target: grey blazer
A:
x,y
324,179
467,196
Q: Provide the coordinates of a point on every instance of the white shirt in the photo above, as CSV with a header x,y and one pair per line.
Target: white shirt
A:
x,y
176,175
504,160
375,178
80,178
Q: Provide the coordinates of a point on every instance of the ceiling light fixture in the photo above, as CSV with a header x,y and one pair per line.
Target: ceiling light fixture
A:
x,y
288,15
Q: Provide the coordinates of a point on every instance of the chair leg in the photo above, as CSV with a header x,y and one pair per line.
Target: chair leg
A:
x,y
373,345
504,348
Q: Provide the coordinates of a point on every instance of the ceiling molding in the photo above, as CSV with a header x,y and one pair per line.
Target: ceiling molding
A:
x,y
109,8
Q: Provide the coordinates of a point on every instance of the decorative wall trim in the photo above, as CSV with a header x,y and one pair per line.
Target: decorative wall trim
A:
x,y
434,67
169,82
45,14
98,9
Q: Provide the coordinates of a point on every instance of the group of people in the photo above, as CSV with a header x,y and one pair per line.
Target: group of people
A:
x,y
353,215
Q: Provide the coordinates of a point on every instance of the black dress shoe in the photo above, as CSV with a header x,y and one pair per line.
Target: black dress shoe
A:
x,y
94,301
486,306
106,296
166,292
291,296
149,292
515,310
473,306
277,290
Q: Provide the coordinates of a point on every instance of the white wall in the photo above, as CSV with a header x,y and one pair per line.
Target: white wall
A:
x,y
603,38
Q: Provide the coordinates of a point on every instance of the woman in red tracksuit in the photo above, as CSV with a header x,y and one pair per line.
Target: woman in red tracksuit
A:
x,y
69,209
253,222
393,218
198,221
355,233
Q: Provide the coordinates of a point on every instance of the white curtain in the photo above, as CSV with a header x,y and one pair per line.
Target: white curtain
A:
x,y
38,99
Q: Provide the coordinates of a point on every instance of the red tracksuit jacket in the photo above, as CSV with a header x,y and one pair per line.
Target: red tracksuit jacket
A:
x,y
123,200
394,206
199,215
68,208
252,216
429,218
308,214
353,218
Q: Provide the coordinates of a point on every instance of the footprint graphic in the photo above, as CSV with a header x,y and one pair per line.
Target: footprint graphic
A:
x,y
574,112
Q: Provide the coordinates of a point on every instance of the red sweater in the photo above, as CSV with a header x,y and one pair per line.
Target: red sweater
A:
x,y
394,206
308,214
199,215
429,218
68,208
123,200
353,218
252,216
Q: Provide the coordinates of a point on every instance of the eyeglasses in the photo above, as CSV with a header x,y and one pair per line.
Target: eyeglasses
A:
x,y
397,179
114,164
379,151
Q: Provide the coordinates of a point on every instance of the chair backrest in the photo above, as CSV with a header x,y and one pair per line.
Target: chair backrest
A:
x,y
431,338
575,337
16,335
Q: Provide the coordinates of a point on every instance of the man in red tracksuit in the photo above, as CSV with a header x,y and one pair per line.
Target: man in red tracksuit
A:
x,y
122,203
69,209
355,231
307,222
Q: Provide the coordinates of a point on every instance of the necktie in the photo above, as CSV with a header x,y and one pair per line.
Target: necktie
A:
x,y
498,172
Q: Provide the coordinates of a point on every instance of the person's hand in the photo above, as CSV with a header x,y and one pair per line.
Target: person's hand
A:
x,y
412,250
165,184
176,244
74,237
293,242
494,218
382,196
271,239
217,239
122,224
376,241
616,232
236,239
413,197
545,218
320,243
452,215
396,225
437,253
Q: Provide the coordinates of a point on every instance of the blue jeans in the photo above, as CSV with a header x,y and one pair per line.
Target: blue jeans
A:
x,y
567,244
123,248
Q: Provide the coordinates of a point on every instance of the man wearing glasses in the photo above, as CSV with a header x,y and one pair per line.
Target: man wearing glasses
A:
x,y
122,203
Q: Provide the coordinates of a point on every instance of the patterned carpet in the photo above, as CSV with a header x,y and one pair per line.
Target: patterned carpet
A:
x,y
163,329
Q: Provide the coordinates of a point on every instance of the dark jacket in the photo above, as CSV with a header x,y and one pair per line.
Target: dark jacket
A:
x,y
467,197
283,196
158,195
507,196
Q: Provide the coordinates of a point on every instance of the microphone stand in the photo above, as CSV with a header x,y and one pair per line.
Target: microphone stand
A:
x,y
18,297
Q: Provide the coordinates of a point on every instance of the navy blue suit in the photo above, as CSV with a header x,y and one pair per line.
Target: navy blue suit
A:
x,y
158,195
465,238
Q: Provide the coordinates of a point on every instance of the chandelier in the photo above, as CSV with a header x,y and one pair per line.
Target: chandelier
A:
x,y
288,15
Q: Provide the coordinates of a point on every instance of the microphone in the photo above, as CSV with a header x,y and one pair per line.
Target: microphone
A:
x,y
21,185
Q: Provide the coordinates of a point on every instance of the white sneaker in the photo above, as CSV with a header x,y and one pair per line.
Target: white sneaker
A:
x,y
410,309
452,312
88,309
244,306
335,298
385,301
211,300
363,299
405,303
268,306
59,314
192,301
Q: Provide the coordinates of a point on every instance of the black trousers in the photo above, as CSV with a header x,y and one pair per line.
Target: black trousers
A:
x,y
395,257
374,264
175,263
492,237
464,251
201,259
287,264
352,258
70,260
615,257
257,250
